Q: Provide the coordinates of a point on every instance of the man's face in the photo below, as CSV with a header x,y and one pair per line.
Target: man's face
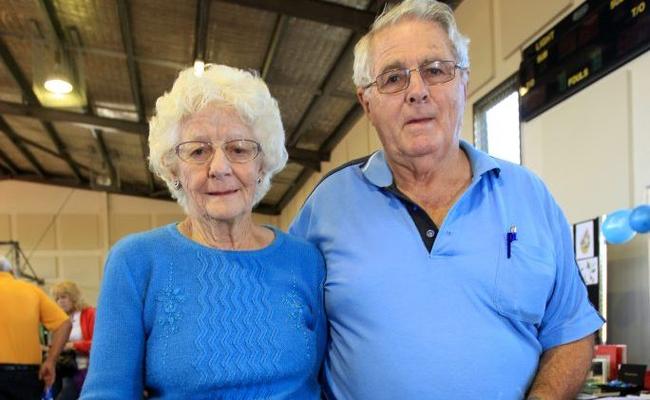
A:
x,y
421,120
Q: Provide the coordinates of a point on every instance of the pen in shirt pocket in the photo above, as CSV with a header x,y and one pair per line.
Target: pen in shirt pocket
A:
x,y
511,236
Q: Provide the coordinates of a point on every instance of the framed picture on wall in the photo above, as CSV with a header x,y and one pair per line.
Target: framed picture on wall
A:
x,y
589,270
591,261
584,240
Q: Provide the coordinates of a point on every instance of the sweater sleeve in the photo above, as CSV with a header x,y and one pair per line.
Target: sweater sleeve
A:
x,y
116,368
87,327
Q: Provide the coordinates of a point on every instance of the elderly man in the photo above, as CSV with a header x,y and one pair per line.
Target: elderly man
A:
x,y
23,307
450,274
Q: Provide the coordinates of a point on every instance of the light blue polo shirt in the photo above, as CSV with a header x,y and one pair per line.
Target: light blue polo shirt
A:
x,y
462,321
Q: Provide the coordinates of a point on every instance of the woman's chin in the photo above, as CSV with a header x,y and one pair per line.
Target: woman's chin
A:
x,y
222,214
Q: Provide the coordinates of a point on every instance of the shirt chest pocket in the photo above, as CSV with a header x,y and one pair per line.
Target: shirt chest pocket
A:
x,y
524,282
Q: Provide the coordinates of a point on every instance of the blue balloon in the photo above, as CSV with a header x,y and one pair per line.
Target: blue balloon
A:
x,y
640,219
616,227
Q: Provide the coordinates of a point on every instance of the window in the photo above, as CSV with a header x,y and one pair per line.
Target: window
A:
x,y
496,122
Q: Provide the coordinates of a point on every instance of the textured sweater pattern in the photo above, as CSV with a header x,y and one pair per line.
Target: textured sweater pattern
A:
x,y
187,321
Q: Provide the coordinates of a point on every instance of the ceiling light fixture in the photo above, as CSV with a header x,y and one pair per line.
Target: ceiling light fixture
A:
x,y
58,80
58,85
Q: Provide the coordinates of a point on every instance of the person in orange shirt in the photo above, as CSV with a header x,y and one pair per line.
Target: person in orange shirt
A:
x,y
68,297
24,307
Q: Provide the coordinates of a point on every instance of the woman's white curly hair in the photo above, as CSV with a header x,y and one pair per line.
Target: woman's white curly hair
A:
x,y
245,91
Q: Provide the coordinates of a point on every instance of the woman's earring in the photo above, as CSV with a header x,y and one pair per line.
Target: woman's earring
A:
x,y
259,180
177,185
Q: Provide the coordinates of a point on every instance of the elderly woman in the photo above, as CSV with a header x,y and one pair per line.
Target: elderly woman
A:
x,y
215,306
68,297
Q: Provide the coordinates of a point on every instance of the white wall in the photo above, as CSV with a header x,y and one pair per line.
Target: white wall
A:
x,y
593,151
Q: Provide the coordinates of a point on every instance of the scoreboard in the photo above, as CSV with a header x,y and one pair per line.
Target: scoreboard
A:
x,y
596,38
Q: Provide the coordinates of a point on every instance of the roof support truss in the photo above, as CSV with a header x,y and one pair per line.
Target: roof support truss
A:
x,y
315,10
201,29
134,78
15,139
8,163
29,95
98,134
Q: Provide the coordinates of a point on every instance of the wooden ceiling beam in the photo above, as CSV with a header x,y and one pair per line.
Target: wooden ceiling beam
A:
x,y
307,158
201,30
31,98
59,37
341,130
17,74
293,189
134,79
127,42
326,150
332,78
8,163
51,152
53,21
60,146
336,73
54,115
15,139
280,27
98,134
319,11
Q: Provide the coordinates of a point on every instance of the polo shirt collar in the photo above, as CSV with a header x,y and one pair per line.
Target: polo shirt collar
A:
x,y
479,161
377,171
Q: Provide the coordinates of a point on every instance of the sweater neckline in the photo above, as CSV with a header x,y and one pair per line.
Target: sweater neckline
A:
x,y
275,243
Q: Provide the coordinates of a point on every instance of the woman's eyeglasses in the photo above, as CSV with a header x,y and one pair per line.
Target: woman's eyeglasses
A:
x,y
237,151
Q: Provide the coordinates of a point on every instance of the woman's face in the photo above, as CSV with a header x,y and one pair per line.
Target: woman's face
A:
x,y
218,189
65,302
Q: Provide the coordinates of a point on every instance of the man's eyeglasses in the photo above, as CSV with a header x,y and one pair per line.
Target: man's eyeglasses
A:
x,y
432,73
237,151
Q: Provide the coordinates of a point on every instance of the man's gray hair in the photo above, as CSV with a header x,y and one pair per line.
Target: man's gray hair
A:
x,y
243,90
426,10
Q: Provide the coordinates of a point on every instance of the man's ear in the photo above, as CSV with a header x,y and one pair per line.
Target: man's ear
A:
x,y
361,96
465,84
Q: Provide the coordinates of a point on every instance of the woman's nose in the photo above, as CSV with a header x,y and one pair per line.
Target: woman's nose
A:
x,y
219,164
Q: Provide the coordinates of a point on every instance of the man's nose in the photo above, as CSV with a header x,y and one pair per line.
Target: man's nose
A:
x,y
417,90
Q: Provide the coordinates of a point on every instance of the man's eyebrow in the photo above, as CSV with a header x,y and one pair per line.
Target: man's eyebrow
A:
x,y
392,66
429,60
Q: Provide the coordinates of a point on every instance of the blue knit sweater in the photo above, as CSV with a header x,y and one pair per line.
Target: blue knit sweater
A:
x,y
182,320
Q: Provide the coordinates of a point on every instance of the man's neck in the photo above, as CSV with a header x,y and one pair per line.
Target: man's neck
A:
x,y
424,177
434,184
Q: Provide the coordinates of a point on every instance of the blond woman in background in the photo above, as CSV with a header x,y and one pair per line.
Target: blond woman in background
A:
x,y
68,297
